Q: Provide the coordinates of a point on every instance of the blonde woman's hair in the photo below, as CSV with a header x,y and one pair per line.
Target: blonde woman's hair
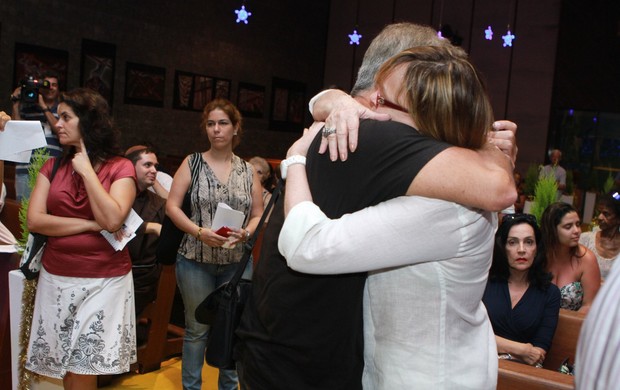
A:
x,y
443,93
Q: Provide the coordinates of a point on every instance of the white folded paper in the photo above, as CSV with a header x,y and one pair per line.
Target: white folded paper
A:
x,y
131,224
18,140
226,216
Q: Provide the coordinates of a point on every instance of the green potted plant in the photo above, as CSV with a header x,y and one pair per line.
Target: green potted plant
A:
x,y
25,377
529,186
544,195
39,157
609,183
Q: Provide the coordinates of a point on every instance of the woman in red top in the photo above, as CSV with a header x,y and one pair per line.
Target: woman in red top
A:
x,y
83,322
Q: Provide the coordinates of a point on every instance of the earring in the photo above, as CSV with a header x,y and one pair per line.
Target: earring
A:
x,y
234,133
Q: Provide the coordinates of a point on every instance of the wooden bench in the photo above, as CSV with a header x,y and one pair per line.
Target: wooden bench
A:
x,y
164,340
516,376
564,344
10,217
8,176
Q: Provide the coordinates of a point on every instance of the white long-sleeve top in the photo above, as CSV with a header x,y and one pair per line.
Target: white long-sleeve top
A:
x,y
424,322
597,364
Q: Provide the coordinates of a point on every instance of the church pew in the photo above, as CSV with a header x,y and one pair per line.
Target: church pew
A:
x,y
164,340
564,344
517,376
10,217
513,375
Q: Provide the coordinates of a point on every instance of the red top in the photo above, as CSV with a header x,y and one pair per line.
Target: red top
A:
x,y
87,255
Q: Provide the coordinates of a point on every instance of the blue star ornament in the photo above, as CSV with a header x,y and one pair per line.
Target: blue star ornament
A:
x,y
488,33
242,15
355,38
508,38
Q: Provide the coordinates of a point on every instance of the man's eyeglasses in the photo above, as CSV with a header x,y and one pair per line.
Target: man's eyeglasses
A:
x,y
520,218
381,101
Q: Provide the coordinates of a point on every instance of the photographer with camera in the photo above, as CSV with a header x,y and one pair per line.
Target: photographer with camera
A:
x,y
36,99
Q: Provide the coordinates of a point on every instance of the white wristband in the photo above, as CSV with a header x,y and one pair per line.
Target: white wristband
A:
x,y
296,159
314,99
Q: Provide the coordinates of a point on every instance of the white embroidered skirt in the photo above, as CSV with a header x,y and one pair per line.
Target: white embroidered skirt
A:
x,y
82,325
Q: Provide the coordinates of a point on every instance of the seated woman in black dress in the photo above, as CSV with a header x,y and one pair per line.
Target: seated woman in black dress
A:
x,y
522,303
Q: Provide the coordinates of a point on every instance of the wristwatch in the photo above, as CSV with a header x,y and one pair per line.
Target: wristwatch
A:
x,y
295,159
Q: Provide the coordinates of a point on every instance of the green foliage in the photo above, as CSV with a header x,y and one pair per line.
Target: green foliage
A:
x,y
570,183
545,194
531,178
609,184
39,157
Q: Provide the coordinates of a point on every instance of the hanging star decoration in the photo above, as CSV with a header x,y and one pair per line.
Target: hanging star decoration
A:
x,y
242,15
355,38
508,38
488,33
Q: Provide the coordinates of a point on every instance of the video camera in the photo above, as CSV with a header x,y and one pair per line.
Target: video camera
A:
x,y
30,89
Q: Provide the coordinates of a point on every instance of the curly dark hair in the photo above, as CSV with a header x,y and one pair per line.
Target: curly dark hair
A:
x,y
610,200
100,136
537,274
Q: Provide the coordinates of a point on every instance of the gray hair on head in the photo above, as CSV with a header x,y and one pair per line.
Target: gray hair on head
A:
x,y
393,39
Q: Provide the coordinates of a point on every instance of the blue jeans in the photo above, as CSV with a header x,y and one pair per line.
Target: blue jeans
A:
x,y
196,281
22,191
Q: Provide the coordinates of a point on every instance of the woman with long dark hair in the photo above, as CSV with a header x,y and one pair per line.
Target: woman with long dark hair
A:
x,y
83,322
522,303
574,267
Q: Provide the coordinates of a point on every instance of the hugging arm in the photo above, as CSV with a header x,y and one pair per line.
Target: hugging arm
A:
x,y
310,241
342,112
481,178
477,178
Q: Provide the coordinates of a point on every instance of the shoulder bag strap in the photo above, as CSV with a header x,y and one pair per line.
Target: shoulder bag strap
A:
x,y
194,166
55,168
249,245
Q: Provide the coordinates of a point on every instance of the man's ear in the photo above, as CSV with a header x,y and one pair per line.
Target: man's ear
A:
x,y
372,99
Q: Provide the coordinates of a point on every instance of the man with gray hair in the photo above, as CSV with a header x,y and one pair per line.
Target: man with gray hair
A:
x,y
301,331
555,171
